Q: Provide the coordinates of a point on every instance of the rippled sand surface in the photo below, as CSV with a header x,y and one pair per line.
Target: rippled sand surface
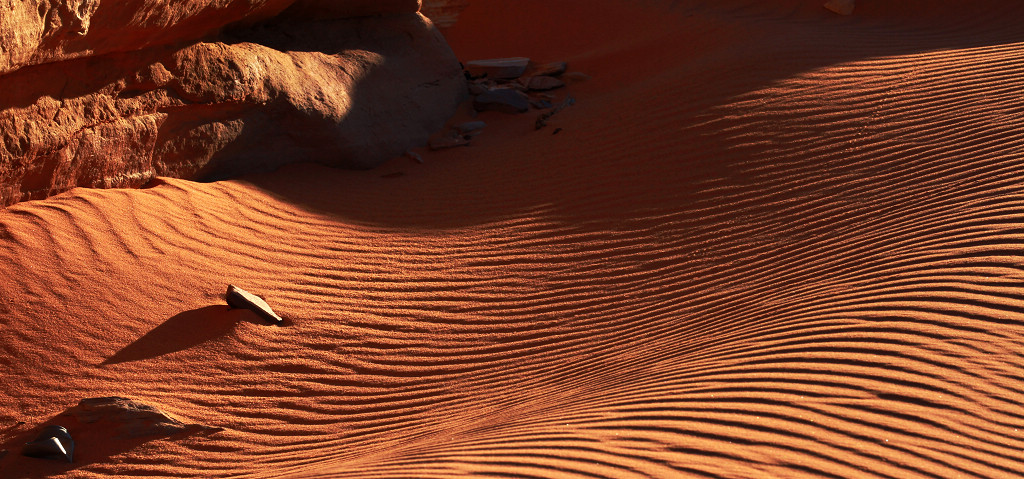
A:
x,y
768,241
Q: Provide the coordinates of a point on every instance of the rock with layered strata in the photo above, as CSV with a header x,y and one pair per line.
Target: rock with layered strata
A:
x,y
349,92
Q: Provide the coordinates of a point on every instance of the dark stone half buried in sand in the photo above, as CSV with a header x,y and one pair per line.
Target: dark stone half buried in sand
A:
x,y
53,442
240,298
504,100
133,418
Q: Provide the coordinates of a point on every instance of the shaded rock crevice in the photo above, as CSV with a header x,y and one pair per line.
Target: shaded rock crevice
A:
x,y
348,92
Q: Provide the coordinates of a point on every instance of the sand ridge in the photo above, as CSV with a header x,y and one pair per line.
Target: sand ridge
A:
x,y
767,242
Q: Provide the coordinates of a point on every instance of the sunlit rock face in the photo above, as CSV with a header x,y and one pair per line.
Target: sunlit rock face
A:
x,y
444,13
111,94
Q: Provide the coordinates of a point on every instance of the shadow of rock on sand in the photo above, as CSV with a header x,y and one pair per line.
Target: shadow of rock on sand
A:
x,y
697,93
182,331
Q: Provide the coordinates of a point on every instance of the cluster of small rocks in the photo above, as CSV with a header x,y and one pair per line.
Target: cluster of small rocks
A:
x,y
509,85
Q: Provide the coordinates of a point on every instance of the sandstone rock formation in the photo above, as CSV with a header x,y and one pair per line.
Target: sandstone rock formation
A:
x,y
210,89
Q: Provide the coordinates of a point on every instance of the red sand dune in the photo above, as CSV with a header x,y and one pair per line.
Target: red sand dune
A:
x,y
768,241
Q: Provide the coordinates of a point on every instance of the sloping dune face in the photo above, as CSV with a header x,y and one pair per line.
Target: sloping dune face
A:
x,y
768,241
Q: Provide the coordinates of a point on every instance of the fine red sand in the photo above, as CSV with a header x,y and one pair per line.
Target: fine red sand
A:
x,y
769,241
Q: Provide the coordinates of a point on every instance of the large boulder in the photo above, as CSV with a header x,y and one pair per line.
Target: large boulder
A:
x,y
344,92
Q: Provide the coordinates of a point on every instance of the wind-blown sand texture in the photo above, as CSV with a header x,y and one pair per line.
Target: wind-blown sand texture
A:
x,y
769,241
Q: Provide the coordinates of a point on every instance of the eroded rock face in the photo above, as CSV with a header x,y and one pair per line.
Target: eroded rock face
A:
x,y
41,31
347,92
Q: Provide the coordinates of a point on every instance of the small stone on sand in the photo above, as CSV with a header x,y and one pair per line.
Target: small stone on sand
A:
x,y
53,442
447,141
239,298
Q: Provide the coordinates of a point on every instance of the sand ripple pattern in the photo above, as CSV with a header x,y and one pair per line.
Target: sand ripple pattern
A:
x,y
725,267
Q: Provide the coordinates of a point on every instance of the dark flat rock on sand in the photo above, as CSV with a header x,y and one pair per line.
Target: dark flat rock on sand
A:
x,y
498,68
240,298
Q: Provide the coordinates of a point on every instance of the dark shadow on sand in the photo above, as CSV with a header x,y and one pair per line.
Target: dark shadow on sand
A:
x,y
182,331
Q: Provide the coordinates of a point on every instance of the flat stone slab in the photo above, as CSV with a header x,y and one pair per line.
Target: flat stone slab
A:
x,y
498,68
240,298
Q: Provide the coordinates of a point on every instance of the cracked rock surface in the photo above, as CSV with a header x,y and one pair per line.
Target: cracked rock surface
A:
x,y
288,82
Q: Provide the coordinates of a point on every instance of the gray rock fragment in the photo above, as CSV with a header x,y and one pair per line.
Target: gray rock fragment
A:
x,y
498,68
412,155
240,298
53,442
504,100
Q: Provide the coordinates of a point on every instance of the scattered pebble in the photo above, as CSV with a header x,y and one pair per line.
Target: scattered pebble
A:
x,y
447,141
239,298
414,156
542,120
